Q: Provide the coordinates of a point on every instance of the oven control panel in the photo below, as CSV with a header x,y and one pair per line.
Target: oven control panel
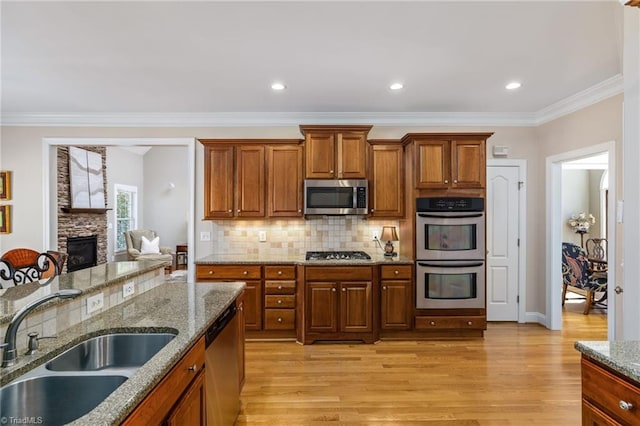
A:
x,y
450,204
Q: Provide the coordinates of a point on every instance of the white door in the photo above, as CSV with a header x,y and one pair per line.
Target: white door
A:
x,y
503,217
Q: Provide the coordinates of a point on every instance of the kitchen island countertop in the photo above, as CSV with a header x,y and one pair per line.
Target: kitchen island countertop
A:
x,y
621,356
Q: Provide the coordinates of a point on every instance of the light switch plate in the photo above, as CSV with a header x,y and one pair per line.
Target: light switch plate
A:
x,y
95,303
128,289
262,236
205,236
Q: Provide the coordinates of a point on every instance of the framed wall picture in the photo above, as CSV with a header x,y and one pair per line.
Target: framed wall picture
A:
x,y
5,219
5,185
86,176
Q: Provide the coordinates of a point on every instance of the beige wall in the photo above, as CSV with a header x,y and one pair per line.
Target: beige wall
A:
x,y
21,151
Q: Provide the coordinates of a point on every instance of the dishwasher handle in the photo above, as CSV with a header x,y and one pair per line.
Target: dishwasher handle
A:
x,y
216,328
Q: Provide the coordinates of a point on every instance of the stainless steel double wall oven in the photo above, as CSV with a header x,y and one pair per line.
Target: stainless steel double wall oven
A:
x,y
450,253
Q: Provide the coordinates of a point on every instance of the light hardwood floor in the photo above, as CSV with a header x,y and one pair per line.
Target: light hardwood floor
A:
x,y
515,375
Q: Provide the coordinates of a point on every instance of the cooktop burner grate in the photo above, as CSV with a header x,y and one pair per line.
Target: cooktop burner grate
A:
x,y
337,255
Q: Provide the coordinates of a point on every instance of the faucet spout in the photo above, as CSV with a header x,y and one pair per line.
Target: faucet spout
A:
x,y
10,352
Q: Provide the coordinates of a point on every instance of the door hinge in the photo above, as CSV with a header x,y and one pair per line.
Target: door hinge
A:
x,y
520,185
518,242
518,299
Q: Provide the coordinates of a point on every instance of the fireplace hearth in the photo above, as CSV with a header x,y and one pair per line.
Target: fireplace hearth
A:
x,y
83,252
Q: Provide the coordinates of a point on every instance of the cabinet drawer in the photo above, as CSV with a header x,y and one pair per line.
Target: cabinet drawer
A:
x,y
462,322
279,319
339,273
607,392
277,301
228,272
280,272
388,272
279,287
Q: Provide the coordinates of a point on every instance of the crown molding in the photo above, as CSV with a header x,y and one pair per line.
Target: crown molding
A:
x,y
590,96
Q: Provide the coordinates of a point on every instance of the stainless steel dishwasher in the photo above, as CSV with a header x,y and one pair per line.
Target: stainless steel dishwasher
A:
x,y
222,384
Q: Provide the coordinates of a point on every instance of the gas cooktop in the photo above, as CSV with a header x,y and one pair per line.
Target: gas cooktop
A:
x,y
337,255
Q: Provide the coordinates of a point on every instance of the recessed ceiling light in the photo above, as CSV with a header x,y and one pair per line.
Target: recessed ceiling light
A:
x,y
396,86
278,86
513,85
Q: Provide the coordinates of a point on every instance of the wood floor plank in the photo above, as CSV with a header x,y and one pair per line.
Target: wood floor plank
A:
x,y
518,374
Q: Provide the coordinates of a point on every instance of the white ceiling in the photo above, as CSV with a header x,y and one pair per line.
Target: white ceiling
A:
x,y
211,61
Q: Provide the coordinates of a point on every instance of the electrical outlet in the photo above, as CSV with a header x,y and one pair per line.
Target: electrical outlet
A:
x,y
374,235
95,303
128,289
262,236
205,236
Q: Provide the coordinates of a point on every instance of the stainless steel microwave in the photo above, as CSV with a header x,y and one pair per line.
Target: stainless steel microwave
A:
x,y
336,196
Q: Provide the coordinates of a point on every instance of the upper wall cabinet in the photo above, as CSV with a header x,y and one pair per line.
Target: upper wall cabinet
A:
x,y
284,170
449,161
335,152
386,179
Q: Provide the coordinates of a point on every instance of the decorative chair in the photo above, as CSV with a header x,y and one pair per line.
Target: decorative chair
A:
x,y
23,265
135,251
597,255
578,277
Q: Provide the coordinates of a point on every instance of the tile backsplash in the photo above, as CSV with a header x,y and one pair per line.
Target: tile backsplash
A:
x,y
294,237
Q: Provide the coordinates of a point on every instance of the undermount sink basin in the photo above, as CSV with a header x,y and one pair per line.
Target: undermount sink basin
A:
x,y
56,400
111,351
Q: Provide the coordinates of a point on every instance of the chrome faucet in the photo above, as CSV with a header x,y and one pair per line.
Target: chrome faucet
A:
x,y
10,353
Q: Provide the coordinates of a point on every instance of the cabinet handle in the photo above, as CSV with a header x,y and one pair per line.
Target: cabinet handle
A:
x,y
230,210
396,272
344,289
279,272
210,272
469,322
455,181
279,287
330,171
245,273
193,368
446,181
384,287
626,406
299,210
432,323
333,289
372,210
280,319
238,210
279,301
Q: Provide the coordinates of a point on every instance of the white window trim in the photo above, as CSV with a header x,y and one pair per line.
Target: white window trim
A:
x,y
124,188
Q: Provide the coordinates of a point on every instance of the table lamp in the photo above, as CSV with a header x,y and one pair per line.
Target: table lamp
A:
x,y
389,234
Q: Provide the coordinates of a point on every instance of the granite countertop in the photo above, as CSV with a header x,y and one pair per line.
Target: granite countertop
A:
x,y
248,259
88,280
621,356
188,309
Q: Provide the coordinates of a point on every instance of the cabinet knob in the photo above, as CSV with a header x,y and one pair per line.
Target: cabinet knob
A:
x,y
330,171
230,210
279,272
396,272
193,368
299,210
344,289
279,287
238,210
210,272
372,210
626,406
446,181
455,181
469,322
333,289
280,319
245,273
279,301
384,287
432,323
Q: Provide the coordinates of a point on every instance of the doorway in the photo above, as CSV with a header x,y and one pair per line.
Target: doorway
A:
x,y
50,161
556,222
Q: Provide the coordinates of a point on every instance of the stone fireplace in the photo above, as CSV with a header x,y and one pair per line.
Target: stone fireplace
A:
x,y
83,252
73,223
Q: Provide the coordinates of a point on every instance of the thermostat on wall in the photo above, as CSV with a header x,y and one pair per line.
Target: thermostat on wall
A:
x,y
500,151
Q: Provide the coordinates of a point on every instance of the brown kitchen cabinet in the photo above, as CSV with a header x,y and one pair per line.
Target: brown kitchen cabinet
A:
x,y
180,394
608,397
285,178
280,298
234,181
396,297
338,304
386,190
335,152
249,274
449,161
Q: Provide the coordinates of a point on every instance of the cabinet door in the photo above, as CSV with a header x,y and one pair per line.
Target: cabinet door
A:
x,y
592,416
191,407
352,155
250,177
433,164
396,305
320,155
321,307
284,168
387,181
356,311
218,182
468,168
253,305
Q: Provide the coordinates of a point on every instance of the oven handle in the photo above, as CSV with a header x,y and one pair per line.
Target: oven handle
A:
x,y
454,265
456,216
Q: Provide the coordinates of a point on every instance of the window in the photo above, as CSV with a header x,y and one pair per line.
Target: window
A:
x,y
126,213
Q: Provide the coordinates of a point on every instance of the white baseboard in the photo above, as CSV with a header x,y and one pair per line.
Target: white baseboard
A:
x,y
536,317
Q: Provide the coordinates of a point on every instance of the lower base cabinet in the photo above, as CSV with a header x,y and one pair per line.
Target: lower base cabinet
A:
x,y
190,410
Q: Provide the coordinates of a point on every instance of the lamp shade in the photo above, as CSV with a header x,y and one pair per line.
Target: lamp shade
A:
x,y
389,233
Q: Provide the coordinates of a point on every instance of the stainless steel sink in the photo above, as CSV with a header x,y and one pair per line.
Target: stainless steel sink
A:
x,y
55,400
111,351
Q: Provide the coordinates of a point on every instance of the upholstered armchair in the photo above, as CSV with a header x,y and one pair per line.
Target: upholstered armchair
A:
x,y
136,251
578,277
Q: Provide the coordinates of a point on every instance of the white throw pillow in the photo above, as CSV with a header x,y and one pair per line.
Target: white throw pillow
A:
x,y
150,247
